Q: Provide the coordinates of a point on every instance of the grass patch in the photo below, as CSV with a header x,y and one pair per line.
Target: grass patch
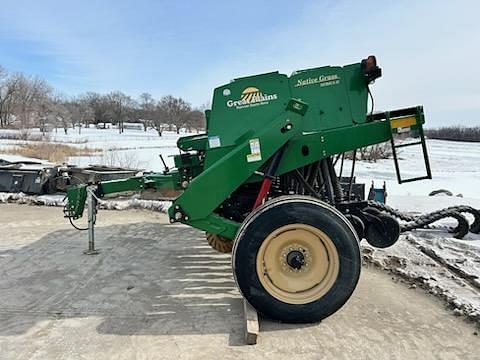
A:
x,y
53,152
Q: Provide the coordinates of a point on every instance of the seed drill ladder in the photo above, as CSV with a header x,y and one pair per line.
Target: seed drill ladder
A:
x,y
404,121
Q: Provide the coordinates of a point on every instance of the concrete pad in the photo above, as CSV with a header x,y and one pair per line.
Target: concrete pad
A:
x,y
159,291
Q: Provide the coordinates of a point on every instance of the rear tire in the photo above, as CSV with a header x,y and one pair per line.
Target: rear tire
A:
x,y
296,259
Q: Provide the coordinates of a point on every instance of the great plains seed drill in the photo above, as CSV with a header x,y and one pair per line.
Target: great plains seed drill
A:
x,y
262,183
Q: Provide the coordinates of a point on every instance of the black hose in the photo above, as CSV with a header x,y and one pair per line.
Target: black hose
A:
x,y
328,181
337,188
341,166
306,185
320,177
76,227
314,174
336,159
350,184
370,117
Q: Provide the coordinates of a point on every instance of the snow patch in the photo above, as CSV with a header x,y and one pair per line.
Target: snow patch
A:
x,y
21,198
445,267
133,202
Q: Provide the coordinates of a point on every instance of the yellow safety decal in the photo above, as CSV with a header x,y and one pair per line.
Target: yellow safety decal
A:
x,y
403,122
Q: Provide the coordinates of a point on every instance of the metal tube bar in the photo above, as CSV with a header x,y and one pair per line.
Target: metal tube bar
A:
x,y
92,210
424,144
408,144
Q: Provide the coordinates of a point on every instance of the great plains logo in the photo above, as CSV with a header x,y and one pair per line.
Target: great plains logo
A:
x,y
322,80
251,97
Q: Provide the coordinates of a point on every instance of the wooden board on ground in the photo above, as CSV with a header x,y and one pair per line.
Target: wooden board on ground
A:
x,y
252,327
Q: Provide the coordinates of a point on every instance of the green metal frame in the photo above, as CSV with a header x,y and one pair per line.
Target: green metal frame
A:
x,y
77,195
211,191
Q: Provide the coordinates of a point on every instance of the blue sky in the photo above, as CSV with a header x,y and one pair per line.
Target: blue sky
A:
x,y
428,50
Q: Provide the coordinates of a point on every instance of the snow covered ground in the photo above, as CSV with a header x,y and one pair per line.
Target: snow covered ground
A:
x,y
455,165
133,148
444,266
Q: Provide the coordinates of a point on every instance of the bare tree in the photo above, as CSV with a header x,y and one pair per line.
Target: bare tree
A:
x,y
195,119
29,101
99,106
174,110
43,110
30,93
60,112
371,153
456,133
8,87
121,108
80,112
147,111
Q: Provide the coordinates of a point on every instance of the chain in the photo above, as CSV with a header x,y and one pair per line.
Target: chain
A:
x,y
425,220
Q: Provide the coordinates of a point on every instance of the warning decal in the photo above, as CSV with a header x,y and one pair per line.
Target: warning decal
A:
x,y
255,153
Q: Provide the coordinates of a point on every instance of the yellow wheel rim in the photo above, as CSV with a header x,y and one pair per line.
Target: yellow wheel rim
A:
x,y
297,264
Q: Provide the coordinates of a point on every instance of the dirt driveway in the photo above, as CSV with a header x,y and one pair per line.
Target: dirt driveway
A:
x,y
157,291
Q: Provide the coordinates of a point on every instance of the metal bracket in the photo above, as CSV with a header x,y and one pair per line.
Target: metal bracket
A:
x,y
179,215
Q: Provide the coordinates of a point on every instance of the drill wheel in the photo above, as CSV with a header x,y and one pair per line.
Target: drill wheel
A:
x,y
296,259
220,243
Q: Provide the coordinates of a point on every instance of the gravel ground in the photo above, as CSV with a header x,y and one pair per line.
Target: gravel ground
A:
x,y
158,291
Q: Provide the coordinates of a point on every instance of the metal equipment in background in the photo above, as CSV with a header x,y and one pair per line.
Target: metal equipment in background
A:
x,y
38,177
262,183
29,177
378,194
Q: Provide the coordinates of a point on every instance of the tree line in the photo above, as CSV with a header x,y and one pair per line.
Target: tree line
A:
x,y
455,133
28,101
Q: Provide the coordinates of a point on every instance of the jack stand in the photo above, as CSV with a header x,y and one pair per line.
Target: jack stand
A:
x,y
92,217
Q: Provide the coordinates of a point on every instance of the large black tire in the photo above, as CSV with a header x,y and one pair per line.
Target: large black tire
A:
x,y
309,214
